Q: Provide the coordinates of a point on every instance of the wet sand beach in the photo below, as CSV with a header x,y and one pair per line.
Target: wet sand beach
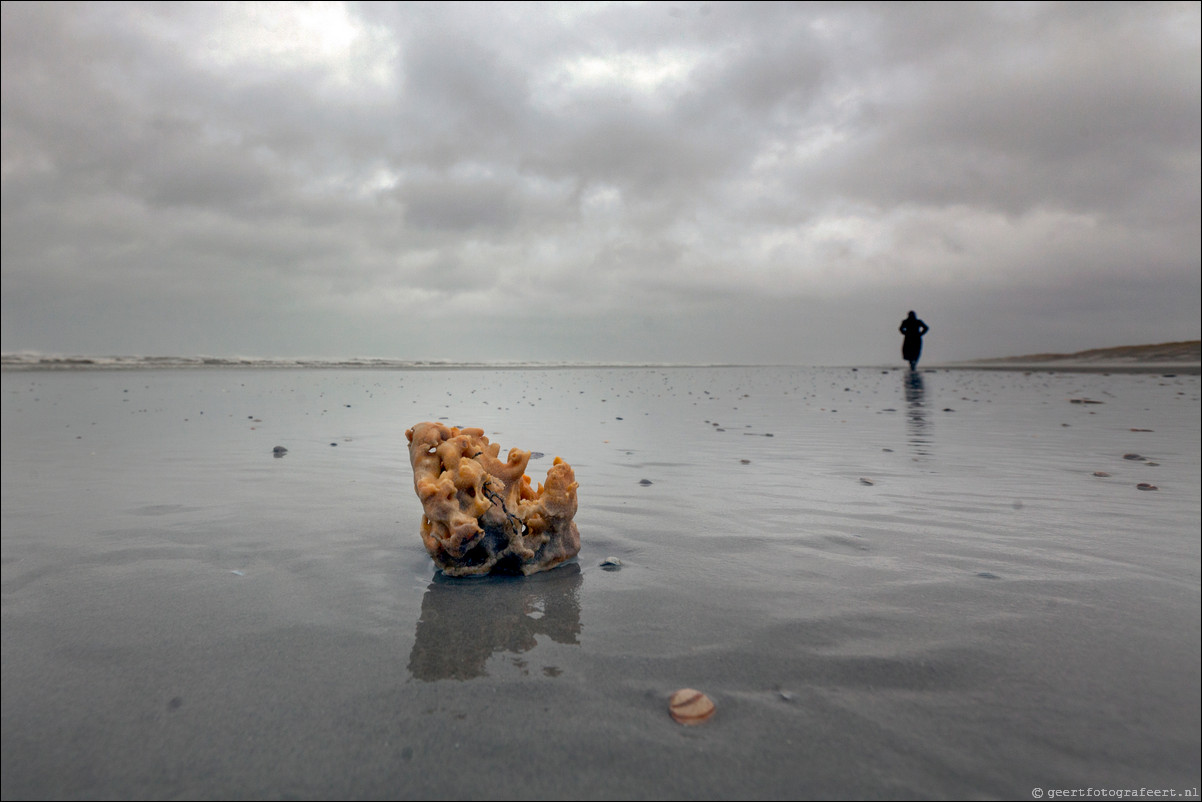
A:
x,y
940,585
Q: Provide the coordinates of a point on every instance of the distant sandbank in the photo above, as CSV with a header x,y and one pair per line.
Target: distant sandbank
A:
x,y
1184,357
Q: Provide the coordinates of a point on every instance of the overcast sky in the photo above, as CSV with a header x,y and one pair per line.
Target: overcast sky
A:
x,y
692,182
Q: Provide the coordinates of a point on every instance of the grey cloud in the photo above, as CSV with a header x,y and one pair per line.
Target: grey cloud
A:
x,y
1061,107
455,206
691,180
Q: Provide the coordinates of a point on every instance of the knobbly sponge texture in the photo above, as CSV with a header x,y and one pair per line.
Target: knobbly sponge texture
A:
x,y
482,515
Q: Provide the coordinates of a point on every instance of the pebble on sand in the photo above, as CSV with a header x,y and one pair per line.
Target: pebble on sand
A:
x,y
645,482
279,451
690,707
1146,486
864,481
1100,473
611,564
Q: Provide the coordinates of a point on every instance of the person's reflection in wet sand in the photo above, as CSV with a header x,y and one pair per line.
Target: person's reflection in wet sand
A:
x,y
465,621
916,419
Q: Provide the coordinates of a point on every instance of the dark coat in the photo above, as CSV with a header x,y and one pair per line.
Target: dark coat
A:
x,y
913,329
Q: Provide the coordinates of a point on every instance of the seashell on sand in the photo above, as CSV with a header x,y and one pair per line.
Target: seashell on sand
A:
x,y
689,706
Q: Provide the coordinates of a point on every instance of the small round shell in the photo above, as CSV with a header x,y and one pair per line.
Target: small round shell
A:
x,y
689,707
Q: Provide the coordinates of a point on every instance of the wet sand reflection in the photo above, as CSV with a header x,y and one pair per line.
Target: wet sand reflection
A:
x,y
464,622
917,425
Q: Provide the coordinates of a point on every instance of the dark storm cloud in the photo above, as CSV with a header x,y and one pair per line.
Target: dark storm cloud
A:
x,y
687,181
1052,110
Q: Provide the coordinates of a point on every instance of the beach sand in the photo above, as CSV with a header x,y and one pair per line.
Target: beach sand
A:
x,y
891,586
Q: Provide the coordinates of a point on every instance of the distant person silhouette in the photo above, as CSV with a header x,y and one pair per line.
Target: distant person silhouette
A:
x,y
912,329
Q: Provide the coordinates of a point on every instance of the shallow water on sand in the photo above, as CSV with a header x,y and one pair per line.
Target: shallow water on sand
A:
x,y
891,584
